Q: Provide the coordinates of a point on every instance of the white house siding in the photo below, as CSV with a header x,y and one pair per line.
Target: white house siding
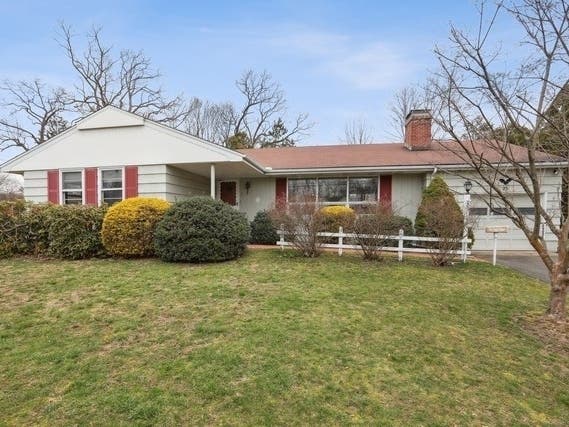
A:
x,y
261,195
170,183
406,192
514,239
35,186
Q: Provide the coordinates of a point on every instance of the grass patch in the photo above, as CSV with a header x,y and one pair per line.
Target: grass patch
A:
x,y
272,339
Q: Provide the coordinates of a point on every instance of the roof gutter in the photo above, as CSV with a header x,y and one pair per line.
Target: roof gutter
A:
x,y
391,169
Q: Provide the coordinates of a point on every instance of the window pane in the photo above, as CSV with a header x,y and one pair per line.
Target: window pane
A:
x,y
71,180
111,178
300,189
527,211
111,196
72,197
499,211
478,211
332,190
363,189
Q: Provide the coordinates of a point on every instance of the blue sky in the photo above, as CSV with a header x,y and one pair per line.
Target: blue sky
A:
x,y
336,60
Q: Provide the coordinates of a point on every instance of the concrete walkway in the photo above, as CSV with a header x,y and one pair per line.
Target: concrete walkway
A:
x,y
528,263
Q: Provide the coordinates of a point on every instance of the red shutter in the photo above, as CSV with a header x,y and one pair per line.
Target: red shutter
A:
x,y
280,192
91,191
131,181
385,189
53,186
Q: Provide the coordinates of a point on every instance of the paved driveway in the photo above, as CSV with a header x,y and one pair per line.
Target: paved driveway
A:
x,y
525,262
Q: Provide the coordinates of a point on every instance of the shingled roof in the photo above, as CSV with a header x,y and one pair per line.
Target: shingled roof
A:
x,y
378,155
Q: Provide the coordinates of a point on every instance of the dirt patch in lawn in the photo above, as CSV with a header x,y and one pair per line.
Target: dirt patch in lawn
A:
x,y
553,334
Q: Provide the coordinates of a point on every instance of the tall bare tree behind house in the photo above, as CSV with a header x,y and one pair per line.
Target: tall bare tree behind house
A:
x,y
404,100
125,79
357,132
31,113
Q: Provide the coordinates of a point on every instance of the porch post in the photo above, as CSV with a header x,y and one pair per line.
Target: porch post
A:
x,y
212,181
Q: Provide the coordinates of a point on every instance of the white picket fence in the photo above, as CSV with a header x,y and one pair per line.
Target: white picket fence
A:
x,y
463,252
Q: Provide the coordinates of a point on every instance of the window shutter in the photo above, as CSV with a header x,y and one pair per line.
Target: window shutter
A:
x,y
53,186
385,189
91,190
280,192
131,181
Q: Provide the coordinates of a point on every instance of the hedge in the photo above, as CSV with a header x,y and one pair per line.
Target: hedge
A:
x,y
74,232
68,232
201,230
128,226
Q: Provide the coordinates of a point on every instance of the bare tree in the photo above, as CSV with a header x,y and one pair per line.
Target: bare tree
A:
x,y
357,132
264,105
447,228
127,80
301,222
474,83
373,229
10,188
205,119
404,100
33,113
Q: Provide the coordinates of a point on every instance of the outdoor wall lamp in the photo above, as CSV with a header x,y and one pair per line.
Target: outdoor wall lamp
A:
x,y
247,186
467,186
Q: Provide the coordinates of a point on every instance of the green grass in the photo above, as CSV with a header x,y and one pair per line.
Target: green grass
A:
x,y
272,339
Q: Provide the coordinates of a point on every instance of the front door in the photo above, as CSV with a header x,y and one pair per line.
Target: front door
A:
x,y
228,192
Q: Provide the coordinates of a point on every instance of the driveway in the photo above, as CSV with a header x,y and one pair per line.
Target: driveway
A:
x,y
524,262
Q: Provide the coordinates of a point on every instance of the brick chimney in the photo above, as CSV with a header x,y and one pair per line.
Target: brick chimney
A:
x,y
418,130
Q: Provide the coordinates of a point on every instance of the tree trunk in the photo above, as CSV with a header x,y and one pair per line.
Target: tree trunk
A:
x,y
557,295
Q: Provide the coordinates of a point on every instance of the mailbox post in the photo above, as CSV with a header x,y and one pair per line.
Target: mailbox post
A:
x,y
495,230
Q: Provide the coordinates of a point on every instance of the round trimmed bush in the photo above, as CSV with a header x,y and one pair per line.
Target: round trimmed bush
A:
x,y
263,231
128,227
75,231
338,216
201,230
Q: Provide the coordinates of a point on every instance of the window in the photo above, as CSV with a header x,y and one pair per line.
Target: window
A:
x,y
527,211
499,211
72,188
363,190
301,189
332,190
111,186
478,211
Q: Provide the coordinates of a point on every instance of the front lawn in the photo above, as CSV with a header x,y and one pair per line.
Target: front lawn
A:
x,y
272,339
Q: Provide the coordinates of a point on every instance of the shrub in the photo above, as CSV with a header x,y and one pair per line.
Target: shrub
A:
x,y
263,231
440,216
128,226
335,217
372,228
201,230
71,232
34,233
436,190
11,213
401,223
75,231
301,222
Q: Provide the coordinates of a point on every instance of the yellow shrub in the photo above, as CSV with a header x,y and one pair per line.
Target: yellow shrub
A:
x,y
128,227
338,216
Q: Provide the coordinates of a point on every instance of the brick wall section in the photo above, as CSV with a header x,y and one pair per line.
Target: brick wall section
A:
x,y
418,130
